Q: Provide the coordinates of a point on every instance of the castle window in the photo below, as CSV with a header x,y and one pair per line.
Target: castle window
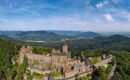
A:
x,y
72,68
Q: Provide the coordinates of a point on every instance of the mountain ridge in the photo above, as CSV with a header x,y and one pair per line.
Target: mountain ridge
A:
x,y
48,35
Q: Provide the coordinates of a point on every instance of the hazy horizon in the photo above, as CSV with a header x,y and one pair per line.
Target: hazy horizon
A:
x,y
70,15
75,31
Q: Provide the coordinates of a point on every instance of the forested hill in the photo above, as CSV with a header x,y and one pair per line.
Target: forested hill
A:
x,y
48,35
7,51
115,42
76,33
40,36
51,36
10,32
4,37
88,34
7,38
112,38
62,32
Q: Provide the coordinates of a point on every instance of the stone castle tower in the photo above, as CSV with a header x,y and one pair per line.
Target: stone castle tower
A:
x,y
65,48
24,51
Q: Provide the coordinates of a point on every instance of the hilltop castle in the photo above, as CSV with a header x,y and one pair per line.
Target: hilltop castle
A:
x,y
60,61
56,61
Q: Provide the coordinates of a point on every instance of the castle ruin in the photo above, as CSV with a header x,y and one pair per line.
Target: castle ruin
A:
x,y
56,61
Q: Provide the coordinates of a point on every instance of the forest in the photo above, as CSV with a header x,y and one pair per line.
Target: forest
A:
x,y
122,71
9,68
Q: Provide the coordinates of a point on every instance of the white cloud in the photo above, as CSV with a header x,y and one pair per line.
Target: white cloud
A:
x,y
109,17
99,5
66,23
35,17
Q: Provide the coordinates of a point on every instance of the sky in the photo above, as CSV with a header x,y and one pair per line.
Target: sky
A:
x,y
77,15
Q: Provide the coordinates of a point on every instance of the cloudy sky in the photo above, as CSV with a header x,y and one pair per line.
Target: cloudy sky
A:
x,y
84,15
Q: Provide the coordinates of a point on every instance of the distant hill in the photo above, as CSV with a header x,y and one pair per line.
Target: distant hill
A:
x,y
40,36
10,32
76,34
88,34
112,38
4,37
7,38
62,32
115,42
48,35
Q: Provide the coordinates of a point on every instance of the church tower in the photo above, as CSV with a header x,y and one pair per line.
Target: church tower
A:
x,y
65,48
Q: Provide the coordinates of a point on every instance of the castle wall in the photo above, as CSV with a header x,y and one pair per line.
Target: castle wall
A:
x,y
103,62
58,60
21,57
38,71
32,56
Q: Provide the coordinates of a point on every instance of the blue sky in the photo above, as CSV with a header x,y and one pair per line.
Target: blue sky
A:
x,y
83,15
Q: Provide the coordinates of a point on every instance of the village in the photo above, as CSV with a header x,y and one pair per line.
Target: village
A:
x,y
59,65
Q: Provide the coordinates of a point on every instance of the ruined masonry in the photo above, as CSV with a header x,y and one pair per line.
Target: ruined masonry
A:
x,y
56,61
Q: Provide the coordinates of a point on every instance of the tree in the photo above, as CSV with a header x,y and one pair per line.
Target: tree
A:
x,y
100,74
109,69
20,73
25,63
22,69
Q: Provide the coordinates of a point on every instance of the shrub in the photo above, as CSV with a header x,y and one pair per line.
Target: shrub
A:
x,y
37,75
55,74
94,61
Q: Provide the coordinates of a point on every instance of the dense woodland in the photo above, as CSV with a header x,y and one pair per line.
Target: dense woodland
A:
x,y
7,51
123,67
9,68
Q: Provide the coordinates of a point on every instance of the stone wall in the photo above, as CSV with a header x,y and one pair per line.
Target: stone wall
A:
x,y
103,62
58,60
32,56
39,57
38,71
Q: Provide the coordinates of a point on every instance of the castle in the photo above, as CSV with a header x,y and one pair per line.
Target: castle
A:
x,y
57,61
